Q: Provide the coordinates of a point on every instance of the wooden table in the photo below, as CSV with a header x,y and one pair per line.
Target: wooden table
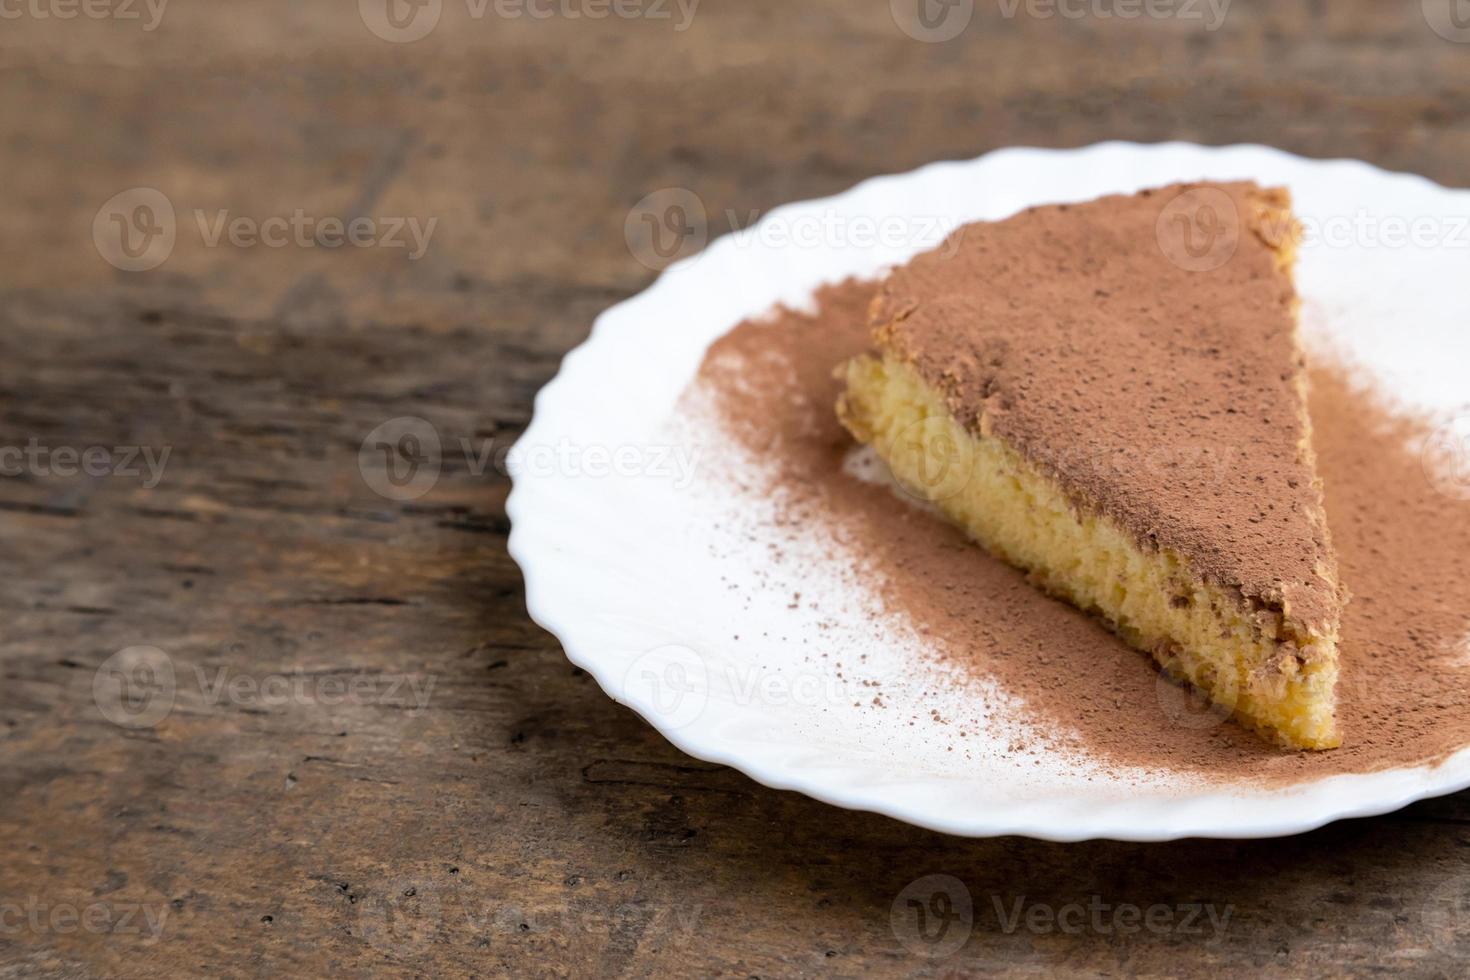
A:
x,y
369,759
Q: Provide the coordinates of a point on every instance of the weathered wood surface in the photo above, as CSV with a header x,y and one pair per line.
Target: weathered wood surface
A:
x,y
296,812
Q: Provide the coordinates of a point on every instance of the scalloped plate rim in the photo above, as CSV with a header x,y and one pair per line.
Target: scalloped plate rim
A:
x,y
1440,778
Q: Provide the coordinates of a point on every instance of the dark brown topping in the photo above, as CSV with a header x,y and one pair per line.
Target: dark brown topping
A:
x,y
1142,351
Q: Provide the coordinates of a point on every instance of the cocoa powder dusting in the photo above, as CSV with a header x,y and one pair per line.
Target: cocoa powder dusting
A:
x,y
1404,551
1162,395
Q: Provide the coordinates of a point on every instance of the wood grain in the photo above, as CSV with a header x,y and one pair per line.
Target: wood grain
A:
x,y
435,790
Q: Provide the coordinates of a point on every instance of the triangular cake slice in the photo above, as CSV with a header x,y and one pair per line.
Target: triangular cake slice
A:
x,y
1111,396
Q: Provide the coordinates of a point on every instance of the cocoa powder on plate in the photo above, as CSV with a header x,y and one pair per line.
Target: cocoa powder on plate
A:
x,y
1403,545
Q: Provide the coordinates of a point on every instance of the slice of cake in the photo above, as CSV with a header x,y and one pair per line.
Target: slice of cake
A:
x,y
1111,396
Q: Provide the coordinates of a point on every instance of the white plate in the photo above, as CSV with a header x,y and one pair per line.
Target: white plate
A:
x,y
624,563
